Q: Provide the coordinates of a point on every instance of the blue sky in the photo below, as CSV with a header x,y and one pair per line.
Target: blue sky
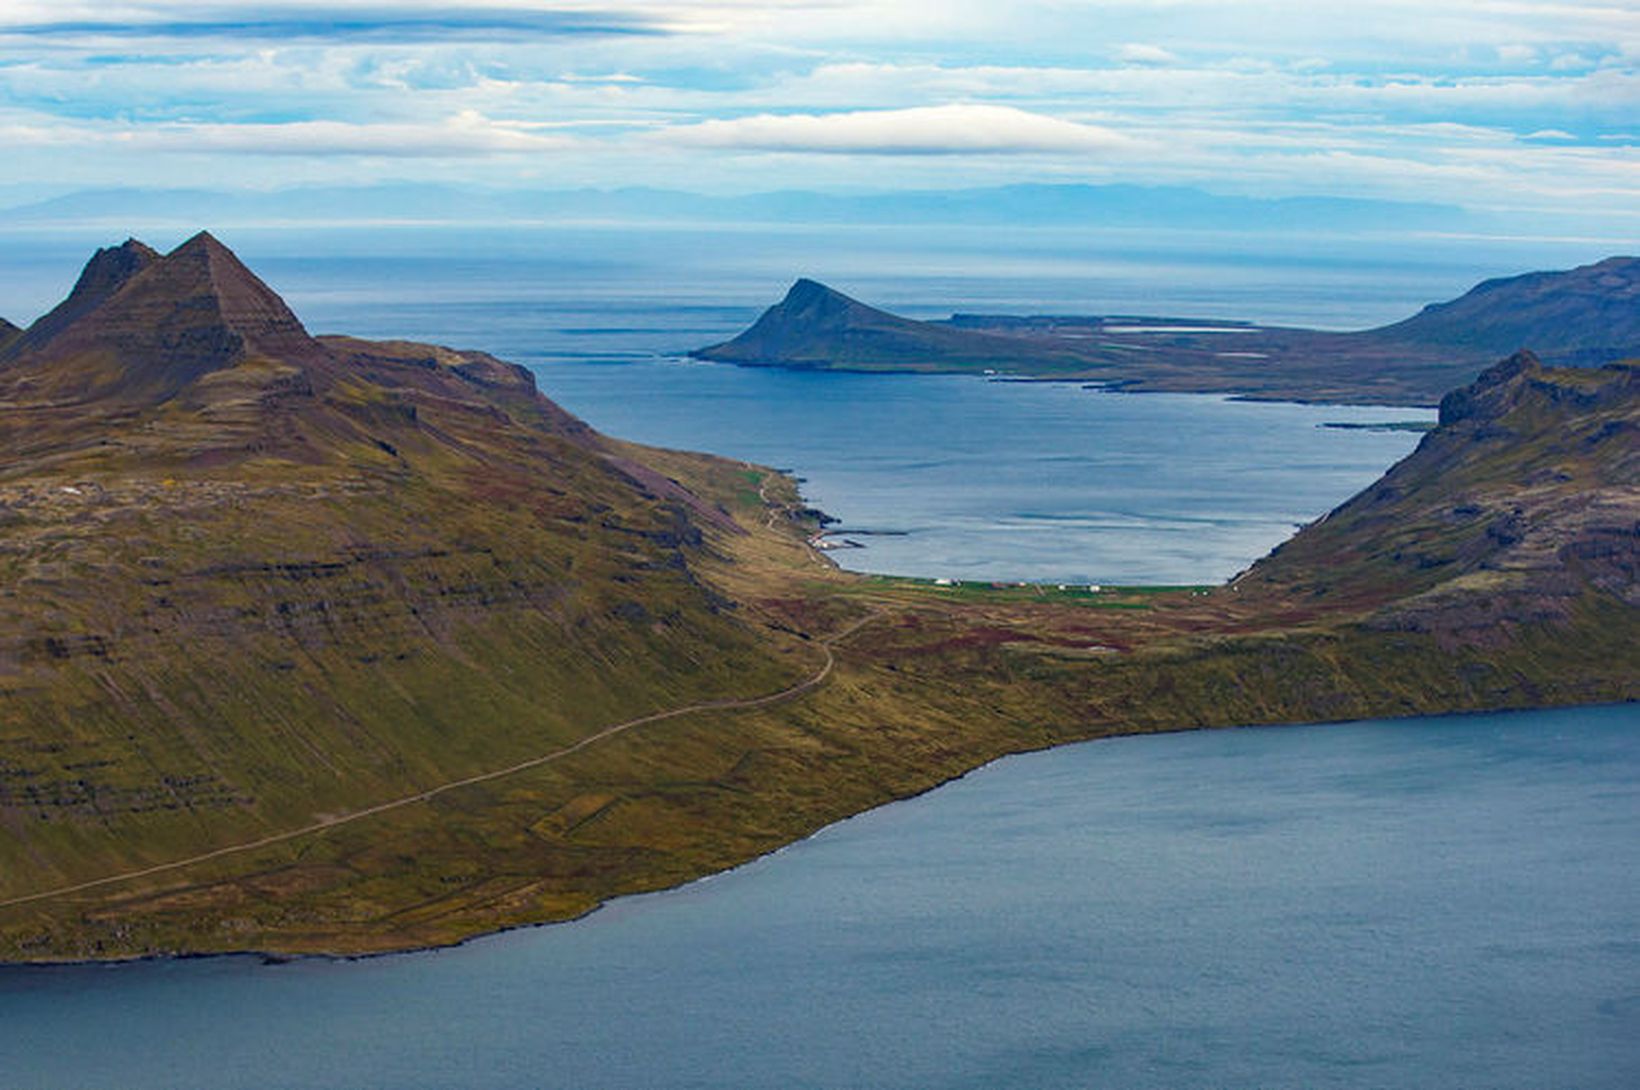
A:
x,y
1497,104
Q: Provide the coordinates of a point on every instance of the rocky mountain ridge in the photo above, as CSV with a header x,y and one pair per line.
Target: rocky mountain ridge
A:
x,y
1525,495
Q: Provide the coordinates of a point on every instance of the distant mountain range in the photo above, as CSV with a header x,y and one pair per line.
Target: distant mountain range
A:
x,y
1585,316
1014,205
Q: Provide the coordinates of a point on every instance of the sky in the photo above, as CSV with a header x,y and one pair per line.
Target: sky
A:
x,y
1509,105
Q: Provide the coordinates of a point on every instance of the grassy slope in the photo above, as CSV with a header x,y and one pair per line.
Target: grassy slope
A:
x,y
936,682
248,592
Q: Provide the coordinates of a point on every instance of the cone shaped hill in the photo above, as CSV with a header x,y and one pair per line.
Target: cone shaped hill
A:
x,y
318,644
1582,317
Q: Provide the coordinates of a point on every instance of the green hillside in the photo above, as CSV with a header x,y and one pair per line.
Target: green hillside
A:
x,y
321,644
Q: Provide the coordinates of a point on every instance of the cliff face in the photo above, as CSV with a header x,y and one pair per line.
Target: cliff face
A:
x,y
1526,495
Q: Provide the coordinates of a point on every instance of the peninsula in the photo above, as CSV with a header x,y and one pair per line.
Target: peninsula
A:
x,y
1583,317
324,645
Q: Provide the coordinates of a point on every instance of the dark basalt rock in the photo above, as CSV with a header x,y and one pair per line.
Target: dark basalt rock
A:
x,y
144,326
1493,393
109,270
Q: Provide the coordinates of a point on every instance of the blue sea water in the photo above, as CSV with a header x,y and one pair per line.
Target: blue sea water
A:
x,y
1429,903
957,477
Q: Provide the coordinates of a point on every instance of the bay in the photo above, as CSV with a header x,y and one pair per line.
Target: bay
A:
x,y
956,477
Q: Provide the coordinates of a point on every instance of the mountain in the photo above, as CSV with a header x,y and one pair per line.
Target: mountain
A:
x,y
1588,315
251,575
1585,316
335,645
8,333
1522,496
142,326
815,326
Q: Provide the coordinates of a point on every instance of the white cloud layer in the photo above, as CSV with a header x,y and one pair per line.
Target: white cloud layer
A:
x,y
466,134
1140,53
926,130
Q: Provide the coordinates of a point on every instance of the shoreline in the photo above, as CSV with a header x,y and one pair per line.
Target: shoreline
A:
x,y
1088,381
275,958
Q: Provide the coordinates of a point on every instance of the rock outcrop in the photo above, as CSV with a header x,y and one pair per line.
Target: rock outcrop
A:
x,y
1526,492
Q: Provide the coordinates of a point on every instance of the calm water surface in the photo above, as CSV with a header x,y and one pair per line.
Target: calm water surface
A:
x,y
1432,903
955,476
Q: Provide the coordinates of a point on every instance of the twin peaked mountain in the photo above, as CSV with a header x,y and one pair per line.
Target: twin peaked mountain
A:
x,y
196,331
147,325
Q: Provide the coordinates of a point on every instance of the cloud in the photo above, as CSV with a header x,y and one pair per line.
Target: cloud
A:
x,y
956,129
607,77
463,135
343,22
1138,53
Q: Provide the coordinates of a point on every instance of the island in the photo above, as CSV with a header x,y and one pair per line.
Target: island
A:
x,y
326,645
1582,317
